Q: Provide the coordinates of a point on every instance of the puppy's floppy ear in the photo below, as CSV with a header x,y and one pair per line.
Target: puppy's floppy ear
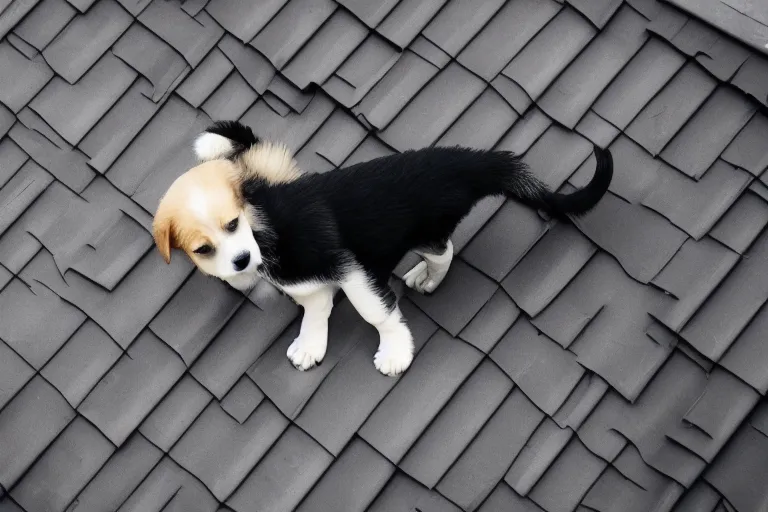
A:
x,y
224,140
162,232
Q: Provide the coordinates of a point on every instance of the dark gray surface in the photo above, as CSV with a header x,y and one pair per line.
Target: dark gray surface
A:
x,y
613,364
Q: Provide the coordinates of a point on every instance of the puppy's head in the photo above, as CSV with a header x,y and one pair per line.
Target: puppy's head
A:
x,y
204,215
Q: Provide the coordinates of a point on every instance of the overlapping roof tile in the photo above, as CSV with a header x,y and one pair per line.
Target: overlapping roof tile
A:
x,y
614,363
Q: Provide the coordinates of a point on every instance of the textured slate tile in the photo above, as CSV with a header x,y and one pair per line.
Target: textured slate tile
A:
x,y
326,50
645,75
666,114
13,12
369,149
44,22
538,454
701,496
404,414
512,93
458,22
175,413
599,131
746,150
115,131
7,119
742,20
640,239
22,78
485,461
428,50
20,191
192,37
385,100
206,78
248,333
482,124
242,399
291,28
231,99
744,487
253,66
616,490
504,240
458,299
12,157
294,130
352,482
290,389
73,110
548,267
86,39
354,388
709,132
597,12
505,35
723,405
68,166
691,276
153,58
64,468
362,70
170,487
101,193
578,87
597,309
568,480
296,461
21,45
221,452
35,322
719,321
742,223
14,373
28,424
8,505
330,146
491,322
746,356
81,362
118,478
403,493
407,19
649,423
471,406
722,56
243,18
556,155
525,132
472,223
544,371
130,390
696,206
440,103
751,78
284,97
503,497
159,154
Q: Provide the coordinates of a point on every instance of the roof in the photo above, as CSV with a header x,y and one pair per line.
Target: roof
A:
x,y
614,364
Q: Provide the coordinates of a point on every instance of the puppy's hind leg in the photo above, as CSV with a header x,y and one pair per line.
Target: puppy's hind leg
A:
x,y
309,348
376,302
429,273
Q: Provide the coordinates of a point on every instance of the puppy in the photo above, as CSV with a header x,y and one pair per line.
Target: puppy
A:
x,y
247,212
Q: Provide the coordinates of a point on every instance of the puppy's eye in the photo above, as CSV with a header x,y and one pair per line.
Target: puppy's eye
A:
x,y
203,250
231,226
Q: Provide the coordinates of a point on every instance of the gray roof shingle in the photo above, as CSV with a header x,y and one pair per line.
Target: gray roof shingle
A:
x,y
615,363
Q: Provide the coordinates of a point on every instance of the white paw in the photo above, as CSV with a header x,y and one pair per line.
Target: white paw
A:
x,y
395,352
420,279
306,352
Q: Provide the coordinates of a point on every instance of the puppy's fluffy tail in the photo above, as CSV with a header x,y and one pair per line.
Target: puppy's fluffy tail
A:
x,y
526,188
234,141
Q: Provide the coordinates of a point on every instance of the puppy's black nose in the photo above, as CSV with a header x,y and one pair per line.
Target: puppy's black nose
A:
x,y
242,260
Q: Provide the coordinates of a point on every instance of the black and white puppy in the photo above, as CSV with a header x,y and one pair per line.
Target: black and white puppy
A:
x,y
247,212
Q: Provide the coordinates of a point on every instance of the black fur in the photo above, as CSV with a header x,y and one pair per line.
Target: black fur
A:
x,y
241,136
373,213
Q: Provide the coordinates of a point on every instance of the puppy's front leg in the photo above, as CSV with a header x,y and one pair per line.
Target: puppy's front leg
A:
x,y
308,349
377,305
